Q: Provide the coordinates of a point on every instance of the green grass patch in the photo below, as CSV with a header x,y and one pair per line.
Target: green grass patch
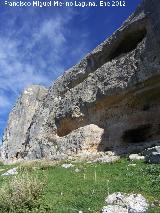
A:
x,y
67,191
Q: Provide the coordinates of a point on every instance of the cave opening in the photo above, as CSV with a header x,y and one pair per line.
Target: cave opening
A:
x,y
137,135
128,43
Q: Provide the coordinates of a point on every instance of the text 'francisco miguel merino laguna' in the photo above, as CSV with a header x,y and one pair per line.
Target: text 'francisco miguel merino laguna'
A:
x,y
109,3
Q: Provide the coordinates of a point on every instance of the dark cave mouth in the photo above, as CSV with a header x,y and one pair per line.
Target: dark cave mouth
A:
x,y
137,135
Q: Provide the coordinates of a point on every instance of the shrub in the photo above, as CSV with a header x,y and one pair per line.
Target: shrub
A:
x,y
21,194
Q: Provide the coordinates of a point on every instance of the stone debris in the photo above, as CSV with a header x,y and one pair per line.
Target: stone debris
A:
x,y
107,159
152,155
66,166
125,203
136,157
97,157
10,172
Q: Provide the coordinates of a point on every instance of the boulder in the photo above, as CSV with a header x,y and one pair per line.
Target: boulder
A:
x,y
136,157
125,203
153,155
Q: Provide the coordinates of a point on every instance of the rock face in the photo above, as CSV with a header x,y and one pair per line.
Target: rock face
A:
x,y
16,136
109,101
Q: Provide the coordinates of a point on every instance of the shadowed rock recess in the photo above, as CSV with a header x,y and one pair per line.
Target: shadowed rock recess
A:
x,y
109,101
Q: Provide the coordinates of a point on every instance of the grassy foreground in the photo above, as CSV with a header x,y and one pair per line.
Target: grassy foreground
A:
x,y
71,191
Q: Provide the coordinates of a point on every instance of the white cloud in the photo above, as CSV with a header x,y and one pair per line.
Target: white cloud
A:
x,y
53,30
4,102
16,73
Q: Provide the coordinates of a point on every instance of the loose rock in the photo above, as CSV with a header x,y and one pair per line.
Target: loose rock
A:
x,y
125,203
136,157
10,172
66,166
107,159
153,155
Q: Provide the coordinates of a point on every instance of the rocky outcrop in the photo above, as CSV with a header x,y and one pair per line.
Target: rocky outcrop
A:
x,y
109,101
16,137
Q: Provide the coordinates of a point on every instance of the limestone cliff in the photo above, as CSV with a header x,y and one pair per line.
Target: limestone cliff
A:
x,y
109,101
16,136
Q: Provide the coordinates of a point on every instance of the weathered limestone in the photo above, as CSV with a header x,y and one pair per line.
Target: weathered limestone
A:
x,y
16,137
109,101
125,203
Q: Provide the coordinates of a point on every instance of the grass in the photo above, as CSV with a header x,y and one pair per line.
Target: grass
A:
x,y
67,191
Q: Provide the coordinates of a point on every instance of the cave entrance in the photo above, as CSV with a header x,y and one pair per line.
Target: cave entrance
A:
x,y
139,134
128,43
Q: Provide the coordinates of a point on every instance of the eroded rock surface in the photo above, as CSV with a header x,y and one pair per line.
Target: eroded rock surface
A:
x,y
16,136
109,101
125,203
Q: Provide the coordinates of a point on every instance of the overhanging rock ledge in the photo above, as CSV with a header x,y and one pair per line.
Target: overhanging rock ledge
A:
x,y
109,101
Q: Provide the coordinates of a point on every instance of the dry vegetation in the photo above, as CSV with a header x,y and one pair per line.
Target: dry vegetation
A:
x,y
21,193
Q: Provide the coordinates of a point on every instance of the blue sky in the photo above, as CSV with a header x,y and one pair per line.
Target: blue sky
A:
x,y
39,44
